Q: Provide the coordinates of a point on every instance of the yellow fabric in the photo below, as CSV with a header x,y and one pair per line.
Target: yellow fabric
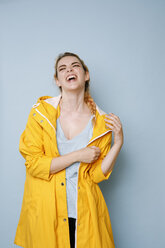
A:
x,y
43,221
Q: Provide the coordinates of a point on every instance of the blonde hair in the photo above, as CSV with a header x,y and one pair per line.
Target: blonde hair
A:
x,y
87,96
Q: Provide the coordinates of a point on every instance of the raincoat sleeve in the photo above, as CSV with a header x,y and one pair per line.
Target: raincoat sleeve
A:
x,y
95,171
31,148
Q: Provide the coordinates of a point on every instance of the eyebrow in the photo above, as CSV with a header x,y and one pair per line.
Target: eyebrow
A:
x,y
71,64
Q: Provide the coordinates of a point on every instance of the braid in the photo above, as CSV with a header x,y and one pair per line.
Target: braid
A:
x,y
91,104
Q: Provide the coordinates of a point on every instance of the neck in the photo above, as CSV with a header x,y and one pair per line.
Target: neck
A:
x,y
72,102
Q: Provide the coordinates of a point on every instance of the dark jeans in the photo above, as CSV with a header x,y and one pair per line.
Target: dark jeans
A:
x,y
72,231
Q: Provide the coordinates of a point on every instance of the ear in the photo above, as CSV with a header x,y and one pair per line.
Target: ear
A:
x,y
87,76
57,82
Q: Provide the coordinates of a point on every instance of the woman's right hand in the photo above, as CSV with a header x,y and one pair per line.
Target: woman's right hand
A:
x,y
88,154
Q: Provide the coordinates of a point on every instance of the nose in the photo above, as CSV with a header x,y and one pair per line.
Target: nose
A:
x,y
69,69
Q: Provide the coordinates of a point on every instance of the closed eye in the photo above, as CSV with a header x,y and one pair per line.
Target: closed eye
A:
x,y
73,66
61,69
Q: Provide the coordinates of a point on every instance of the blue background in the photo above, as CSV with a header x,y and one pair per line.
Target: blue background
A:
x,y
122,43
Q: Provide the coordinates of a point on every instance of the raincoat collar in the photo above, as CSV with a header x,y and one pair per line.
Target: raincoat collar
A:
x,y
99,129
54,101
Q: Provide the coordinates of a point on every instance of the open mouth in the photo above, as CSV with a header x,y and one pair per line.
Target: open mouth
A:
x,y
71,78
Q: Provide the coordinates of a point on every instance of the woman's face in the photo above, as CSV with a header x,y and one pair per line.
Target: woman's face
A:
x,y
67,68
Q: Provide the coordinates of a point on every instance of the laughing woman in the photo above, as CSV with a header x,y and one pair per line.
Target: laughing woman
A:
x,y
67,149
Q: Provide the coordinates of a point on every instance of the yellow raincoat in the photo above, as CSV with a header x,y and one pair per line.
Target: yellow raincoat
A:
x,y
43,219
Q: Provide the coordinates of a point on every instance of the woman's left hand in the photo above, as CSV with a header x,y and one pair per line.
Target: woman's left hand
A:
x,y
113,122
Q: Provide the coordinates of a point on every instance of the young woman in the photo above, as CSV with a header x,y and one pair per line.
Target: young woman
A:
x,y
67,149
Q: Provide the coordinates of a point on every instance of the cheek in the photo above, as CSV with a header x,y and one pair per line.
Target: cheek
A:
x,y
82,73
61,76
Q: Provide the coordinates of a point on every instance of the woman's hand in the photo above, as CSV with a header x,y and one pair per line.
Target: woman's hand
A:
x,y
113,122
88,154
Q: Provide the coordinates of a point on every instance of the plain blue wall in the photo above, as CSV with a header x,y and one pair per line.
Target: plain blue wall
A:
x,y
122,43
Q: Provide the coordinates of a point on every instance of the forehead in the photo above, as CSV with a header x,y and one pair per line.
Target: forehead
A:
x,y
67,60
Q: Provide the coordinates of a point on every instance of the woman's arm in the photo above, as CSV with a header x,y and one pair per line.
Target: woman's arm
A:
x,y
63,161
86,155
31,148
110,159
114,123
